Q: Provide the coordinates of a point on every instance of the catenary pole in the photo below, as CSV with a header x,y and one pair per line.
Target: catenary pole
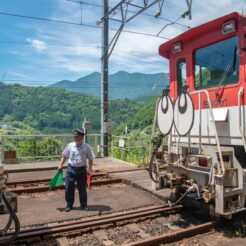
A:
x,y
104,83
119,13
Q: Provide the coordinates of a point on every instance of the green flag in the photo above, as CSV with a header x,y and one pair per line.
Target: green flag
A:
x,y
56,181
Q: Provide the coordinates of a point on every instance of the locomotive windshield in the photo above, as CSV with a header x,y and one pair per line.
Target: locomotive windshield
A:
x,y
217,64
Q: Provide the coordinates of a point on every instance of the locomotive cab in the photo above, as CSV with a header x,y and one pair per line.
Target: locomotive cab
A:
x,y
206,139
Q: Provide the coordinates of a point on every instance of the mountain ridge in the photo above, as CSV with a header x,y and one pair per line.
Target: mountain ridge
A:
x,y
122,84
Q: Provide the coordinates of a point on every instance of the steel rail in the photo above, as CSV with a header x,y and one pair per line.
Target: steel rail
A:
x,y
31,169
47,187
176,236
94,222
23,170
40,180
108,216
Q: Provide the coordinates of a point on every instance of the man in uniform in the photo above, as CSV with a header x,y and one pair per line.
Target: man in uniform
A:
x,y
77,154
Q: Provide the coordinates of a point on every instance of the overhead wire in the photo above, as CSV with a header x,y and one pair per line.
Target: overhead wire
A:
x,y
76,24
130,53
130,11
79,84
174,22
70,88
49,44
72,23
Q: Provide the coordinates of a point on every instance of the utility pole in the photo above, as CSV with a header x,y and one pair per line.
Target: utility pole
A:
x,y
104,82
120,13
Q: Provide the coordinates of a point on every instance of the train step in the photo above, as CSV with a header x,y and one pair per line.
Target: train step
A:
x,y
227,156
232,191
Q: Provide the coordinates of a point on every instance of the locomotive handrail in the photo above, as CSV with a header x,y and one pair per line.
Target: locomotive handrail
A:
x,y
214,126
154,125
240,93
155,116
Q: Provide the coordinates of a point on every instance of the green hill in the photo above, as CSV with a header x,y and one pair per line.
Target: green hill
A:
x,y
53,110
143,118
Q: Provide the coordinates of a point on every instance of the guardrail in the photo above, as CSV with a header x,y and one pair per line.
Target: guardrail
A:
x,y
221,166
29,148
131,149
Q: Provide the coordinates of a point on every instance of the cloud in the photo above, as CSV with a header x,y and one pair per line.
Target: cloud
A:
x,y
14,52
18,75
133,52
37,44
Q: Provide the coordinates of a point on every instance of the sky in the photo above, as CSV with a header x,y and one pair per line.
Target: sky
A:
x,y
59,39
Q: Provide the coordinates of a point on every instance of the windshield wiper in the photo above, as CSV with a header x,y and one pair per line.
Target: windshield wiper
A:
x,y
228,67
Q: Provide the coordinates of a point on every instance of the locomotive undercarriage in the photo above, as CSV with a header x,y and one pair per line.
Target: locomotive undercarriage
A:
x,y
194,176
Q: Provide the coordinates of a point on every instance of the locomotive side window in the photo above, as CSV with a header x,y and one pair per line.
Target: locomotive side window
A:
x,y
217,64
181,74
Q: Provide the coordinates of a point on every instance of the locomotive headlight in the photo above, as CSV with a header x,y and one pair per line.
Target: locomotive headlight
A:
x,y
177,48
228,27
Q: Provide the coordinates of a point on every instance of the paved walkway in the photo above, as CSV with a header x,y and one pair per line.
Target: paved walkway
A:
x,y
47,207
141,180
106,163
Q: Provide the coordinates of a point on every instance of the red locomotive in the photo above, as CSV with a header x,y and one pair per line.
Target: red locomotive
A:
x,y
204,116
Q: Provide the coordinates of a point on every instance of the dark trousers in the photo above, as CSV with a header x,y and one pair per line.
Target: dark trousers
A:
x,y
78,175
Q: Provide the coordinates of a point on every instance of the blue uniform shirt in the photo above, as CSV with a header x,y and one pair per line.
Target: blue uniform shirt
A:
x,y
77,155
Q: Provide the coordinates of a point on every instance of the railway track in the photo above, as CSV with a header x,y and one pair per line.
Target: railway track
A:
x,y
175,236
29,186
52,168
45,180
117,221
90,223
108,225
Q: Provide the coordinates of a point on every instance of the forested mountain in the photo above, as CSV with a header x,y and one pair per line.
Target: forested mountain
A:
x,y
141,119
53,110
121,84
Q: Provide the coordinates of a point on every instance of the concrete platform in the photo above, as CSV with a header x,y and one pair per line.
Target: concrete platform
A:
x,y
48,207
39,169
100,164
140,179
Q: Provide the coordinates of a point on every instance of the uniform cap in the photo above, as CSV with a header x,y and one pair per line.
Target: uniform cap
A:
x,y
78,133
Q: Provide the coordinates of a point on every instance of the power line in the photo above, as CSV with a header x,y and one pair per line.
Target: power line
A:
x,y
45,19
74,46
85,3
130,11
90,87
183,15
49,44
79,84
76,24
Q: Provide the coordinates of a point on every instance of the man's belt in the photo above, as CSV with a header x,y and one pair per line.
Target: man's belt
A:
x,y
79,167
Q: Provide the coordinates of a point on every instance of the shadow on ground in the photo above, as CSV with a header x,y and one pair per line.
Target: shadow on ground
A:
x,y
99,208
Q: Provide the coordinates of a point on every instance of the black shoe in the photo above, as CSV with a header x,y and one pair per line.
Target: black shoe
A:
x,y
84,208
67,209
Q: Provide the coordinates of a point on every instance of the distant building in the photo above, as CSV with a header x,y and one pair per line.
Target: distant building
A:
x,y
7,127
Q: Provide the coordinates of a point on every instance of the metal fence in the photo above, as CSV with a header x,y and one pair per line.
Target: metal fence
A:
x,y
31,148
28,148
131,149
